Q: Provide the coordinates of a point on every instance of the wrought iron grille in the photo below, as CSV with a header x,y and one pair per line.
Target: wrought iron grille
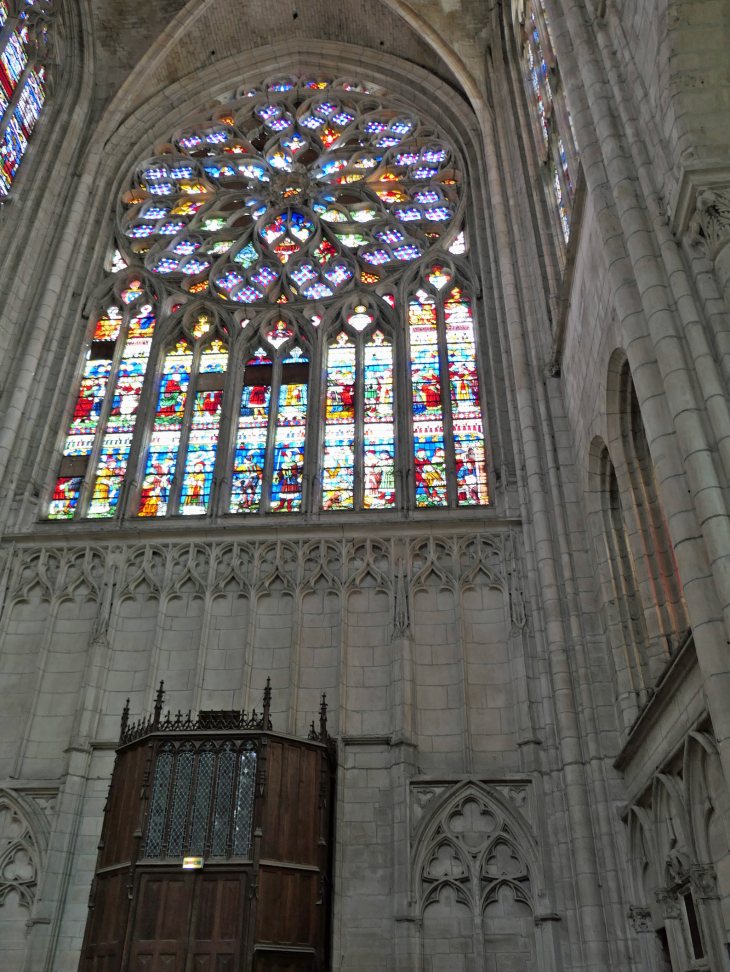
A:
x,y
202,799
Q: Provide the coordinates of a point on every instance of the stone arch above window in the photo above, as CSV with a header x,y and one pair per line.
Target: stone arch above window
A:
x,y
327,219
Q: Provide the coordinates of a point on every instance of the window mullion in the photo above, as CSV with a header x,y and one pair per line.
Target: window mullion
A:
x,y
403,405
358,491
314,437
480,360
448,424
268,477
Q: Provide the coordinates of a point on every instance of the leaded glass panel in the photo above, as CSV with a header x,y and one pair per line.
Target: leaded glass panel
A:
x,y
158,804
201,800
223,799
243,810
180,801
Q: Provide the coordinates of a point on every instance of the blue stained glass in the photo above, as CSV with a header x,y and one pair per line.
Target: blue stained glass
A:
x,y
13,59
317,291
247,256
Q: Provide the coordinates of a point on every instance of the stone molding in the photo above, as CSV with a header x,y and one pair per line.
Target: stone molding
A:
x,y
399,565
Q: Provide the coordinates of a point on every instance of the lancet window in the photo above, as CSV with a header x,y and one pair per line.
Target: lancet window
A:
x,y
551,118
24,49
258,348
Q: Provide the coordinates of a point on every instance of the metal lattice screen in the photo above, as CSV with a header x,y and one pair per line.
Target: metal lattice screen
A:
x,y
202,800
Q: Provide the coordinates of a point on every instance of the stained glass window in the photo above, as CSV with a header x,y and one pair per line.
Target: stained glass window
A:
x,y
291,417
162,455
428,422
338,475
378,434
466,415
22,84
280,371
207,407
253,424
556,143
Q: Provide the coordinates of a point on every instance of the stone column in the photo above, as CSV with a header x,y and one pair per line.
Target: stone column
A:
x,y
643,926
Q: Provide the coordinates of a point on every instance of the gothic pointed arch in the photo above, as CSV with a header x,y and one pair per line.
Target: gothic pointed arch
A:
x,y
324,197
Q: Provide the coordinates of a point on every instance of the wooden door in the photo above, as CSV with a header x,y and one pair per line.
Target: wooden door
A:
x,y
190,922
217,940
161,923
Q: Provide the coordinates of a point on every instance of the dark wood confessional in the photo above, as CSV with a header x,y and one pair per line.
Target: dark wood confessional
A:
x,y
256,806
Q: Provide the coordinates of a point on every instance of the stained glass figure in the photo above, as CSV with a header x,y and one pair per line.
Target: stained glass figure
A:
x,y
338,471
378,437
85,420
291,417
253,422
466,416
166,430
117,440
14,139
200,459
428,425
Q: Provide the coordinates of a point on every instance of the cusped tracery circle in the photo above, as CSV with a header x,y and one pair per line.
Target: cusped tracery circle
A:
x,y
296,191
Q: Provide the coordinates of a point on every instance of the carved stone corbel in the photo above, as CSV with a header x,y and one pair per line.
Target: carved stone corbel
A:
x,y
704,881
640,919
668,902
709,225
